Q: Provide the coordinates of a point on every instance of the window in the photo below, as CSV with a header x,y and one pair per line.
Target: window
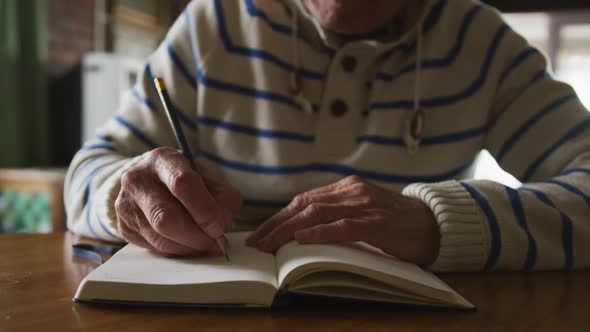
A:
x,y
564,37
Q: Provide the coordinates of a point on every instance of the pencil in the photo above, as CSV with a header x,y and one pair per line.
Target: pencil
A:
x,y
222,242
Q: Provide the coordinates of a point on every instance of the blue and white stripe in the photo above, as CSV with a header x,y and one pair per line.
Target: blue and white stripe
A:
x,y
227,65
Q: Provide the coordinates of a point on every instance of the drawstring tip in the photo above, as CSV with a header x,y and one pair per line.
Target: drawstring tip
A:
x,y
295,82
296,90
413,129
304,103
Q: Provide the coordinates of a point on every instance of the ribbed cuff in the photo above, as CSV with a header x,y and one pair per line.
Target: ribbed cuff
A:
x,y
104,203
464,244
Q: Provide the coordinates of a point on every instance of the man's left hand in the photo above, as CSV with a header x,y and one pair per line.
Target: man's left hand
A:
x,y
352,210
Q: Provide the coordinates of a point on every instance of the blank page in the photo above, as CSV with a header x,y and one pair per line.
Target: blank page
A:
x,y
295,261
133,264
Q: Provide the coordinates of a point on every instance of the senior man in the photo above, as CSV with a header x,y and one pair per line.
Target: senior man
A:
x,y
346,121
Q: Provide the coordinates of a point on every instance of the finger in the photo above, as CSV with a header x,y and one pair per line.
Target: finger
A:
x,y
175,171
340,231
129,231
347,188
133,237
147,238
128,213
150,205
298,204
339,185
314,214
165,246
223,191
135,228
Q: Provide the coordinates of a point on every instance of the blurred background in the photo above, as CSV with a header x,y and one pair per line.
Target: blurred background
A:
x,y
64,65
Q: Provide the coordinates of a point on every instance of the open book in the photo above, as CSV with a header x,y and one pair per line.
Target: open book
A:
x,y
254,278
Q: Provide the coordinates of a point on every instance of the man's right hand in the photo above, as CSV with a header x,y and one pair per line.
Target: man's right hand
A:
x,y
167,207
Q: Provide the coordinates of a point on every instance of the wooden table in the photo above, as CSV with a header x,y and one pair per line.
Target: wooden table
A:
x,y
38,278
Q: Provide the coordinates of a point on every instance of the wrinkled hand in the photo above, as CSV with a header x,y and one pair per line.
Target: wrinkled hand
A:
x,y
352,210
165,206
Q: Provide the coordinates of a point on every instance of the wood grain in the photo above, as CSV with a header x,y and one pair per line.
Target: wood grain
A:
x,y
38,278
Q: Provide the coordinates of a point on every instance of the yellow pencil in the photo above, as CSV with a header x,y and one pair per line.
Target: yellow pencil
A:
x,y
184,147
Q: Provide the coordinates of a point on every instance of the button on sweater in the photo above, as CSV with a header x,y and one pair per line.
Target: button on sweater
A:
x,y
482,86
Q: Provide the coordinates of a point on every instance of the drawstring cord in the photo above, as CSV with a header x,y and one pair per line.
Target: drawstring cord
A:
x,y
413,125
414,122
295,80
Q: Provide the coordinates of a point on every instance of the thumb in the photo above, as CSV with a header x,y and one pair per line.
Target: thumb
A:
x,y
220,188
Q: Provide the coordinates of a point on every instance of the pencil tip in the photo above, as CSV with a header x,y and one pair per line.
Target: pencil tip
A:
x,y
223,245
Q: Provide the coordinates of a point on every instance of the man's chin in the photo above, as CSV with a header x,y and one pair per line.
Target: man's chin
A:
x,y
350,30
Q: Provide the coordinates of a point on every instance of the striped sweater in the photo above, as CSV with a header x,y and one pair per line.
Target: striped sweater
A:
x,y
227,65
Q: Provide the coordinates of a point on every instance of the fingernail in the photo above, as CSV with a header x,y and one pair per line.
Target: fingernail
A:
x,y
263,244
300,237
251,239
